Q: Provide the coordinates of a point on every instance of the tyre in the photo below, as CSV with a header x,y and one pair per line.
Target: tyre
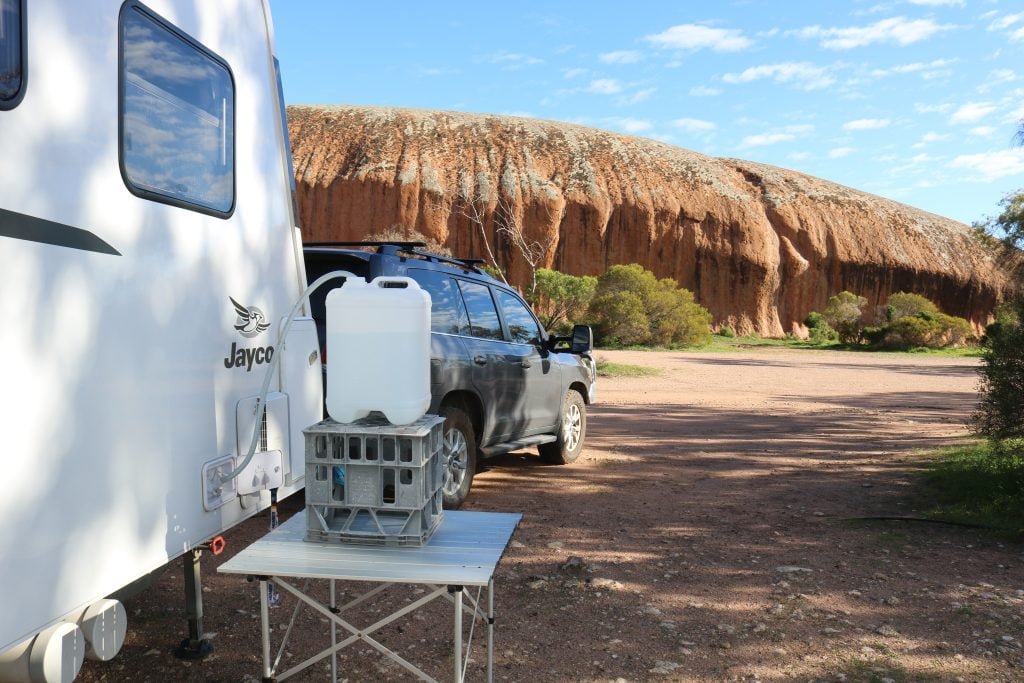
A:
x,y
459,453
571,432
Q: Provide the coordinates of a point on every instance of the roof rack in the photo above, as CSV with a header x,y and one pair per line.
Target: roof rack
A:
x,y
400,245
409,248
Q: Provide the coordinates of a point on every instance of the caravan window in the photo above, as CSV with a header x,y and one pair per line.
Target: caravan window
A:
x,y
12,52
177,115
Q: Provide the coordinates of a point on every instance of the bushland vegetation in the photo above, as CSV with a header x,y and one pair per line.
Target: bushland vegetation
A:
x,y
908,321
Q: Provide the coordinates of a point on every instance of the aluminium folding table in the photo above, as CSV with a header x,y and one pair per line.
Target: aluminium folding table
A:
x,y
463,552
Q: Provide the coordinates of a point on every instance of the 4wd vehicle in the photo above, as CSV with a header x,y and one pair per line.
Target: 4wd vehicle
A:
x,y
500,381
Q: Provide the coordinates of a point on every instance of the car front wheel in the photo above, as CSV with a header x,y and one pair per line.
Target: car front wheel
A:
x,y
459,456
572,430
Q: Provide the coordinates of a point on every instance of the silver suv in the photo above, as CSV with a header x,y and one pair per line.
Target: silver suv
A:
x,y
500,381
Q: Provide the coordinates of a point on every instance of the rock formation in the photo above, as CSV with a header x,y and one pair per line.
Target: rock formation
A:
x,y
759,246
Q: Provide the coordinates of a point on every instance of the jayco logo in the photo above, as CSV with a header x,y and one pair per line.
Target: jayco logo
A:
x,y
250,323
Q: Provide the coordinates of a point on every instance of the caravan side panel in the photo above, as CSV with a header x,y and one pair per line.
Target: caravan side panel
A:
x,y
119,315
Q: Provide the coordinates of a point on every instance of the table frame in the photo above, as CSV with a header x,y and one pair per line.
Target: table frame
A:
x,y
283,555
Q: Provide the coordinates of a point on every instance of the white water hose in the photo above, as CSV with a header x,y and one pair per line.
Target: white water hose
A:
x,y
261,402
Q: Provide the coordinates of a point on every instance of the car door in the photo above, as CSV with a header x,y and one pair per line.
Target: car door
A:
x,y
541,379
497,371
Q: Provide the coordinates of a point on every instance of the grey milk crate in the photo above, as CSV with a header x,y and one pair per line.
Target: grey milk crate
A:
x,y
373,482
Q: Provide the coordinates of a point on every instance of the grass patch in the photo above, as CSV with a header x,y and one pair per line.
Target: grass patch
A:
x,y
606,369
974,485
720,344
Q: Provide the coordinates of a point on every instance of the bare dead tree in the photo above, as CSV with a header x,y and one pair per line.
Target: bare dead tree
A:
x,y
509,226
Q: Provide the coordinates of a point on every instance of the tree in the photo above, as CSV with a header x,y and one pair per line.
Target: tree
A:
x,y
843,313
473,205
1000,415
629,297
534,252
903,304
559,298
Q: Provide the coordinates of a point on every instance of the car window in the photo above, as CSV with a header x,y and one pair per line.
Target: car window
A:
x,y
483,316
522,327
447,312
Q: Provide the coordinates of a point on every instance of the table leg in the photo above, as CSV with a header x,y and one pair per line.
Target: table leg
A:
x,y
490,630
334,635
265,619
458,634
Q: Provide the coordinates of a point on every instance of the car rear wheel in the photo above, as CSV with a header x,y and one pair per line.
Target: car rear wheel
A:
x,y
571,432
459,454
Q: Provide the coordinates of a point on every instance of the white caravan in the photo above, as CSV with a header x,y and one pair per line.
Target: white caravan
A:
x,y
148,253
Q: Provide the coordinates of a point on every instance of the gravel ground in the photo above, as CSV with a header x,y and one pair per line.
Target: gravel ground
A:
x,y
709,532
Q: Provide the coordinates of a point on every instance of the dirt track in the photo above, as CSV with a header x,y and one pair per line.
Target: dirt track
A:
x,y
711,511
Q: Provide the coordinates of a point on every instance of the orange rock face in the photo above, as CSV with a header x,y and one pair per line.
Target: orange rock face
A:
x,y
759,246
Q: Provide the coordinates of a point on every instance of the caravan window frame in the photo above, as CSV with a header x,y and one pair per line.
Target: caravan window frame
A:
x,y
13,101
215,60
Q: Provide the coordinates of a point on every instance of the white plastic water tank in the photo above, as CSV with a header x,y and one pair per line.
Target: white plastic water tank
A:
x,y
378,350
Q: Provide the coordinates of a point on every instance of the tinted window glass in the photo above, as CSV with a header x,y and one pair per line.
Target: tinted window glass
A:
x,y
177,109
10,51
483,317
447,312
522,328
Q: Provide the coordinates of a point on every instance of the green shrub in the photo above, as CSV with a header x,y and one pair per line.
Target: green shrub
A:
x,y
1000,415
874,336
908,332
620,318
903,304
561,299
818,328
923,330
726,331
631,306
843,313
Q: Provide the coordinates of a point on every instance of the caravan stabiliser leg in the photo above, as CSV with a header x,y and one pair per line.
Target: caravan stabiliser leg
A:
x,y
195,646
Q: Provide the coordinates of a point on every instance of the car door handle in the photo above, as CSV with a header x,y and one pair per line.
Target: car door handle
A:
x,y
526,363
480,360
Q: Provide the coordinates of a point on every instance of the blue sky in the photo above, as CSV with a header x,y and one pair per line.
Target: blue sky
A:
x,y
915,100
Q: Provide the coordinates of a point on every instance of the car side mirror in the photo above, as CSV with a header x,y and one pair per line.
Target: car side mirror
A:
x,y
582,339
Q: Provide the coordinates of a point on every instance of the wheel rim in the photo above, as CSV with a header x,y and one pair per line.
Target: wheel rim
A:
x,y
456,458
572,427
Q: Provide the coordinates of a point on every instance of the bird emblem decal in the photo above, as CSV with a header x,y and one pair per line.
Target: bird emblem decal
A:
x,y
251,320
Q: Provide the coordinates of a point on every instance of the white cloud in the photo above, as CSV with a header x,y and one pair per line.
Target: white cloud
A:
x,y
1006,22
866,124
766,139
938,3
695,126
839,152
798,156
982,131
971,112
927,67
697,37
921,108
992,165
704,91
575,73
898,30
636,97
1018,34
512,60
621,57
803,75
632,125
604,86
